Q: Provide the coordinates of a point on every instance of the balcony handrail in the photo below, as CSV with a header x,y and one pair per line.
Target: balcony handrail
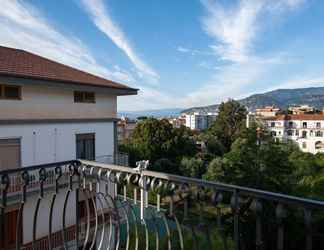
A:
x,y
245,191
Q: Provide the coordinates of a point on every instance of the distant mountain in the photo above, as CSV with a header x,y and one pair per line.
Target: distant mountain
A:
x,y
151,113
281,98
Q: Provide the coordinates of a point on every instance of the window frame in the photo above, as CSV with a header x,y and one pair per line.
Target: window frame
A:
x,y
3,92
83,96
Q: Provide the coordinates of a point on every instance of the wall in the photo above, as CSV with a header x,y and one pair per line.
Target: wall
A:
x,y
57,102
47,143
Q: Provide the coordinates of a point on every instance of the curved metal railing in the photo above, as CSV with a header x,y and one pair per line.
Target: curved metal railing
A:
x,y
91,205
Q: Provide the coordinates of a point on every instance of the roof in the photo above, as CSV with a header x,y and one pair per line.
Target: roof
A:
x,y
23,64
306,117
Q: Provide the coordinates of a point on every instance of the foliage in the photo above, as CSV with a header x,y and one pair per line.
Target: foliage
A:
x,y
255,160
192,167
155,139
229,123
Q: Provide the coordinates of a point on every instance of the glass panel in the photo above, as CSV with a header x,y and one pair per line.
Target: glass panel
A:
x,y
89,149
12,92
78,96
85,146
89,97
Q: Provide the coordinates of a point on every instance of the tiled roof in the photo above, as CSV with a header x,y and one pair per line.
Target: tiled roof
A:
x,y
20,63
306,117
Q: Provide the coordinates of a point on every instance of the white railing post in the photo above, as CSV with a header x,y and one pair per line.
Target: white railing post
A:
x,y
141,166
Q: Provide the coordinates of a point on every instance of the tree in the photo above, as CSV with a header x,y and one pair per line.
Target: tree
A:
x,y
192,167
255,160
229,123
155,139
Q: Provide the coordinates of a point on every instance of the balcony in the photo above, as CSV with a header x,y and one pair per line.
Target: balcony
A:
x,y
127,208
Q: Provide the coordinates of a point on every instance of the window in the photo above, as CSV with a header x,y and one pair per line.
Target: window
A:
x,y
290,124
304,134
297,132
304,145
304,124
290,132
318,134
10,92
272,124
85,97
318,125
85,146
273,133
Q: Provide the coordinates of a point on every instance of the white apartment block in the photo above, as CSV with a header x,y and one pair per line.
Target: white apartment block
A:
x,y
50,113
199,121
305,129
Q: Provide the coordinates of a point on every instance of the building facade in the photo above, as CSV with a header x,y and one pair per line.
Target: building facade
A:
x,y
49,113
305,129
197,121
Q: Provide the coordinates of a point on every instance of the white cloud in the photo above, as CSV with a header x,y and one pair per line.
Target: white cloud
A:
x,y
23,26
182,49
100,16
235,28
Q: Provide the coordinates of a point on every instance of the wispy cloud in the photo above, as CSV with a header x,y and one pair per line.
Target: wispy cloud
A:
x,y
25,27
235,29
100,16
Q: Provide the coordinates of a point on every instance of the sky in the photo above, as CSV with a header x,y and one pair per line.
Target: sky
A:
x,y
179,53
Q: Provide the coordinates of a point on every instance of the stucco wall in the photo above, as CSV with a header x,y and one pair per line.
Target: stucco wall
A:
x,y
47,143
53,102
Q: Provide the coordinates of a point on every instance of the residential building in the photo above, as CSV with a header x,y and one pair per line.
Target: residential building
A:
x,y
301,109
50,112
200,121
125,128
267,111
178,121
305,129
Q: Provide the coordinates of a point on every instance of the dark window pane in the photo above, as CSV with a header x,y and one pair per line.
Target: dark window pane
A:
x,y
78,96
12,92
89,97
85,146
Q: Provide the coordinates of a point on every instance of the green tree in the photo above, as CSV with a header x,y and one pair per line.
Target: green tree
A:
x,y
192,167
229,123
255,160
155,139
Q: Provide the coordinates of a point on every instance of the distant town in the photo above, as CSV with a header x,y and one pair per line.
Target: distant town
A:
x,y
302,124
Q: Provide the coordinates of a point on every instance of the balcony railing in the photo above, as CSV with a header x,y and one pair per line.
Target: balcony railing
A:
x,y
127,208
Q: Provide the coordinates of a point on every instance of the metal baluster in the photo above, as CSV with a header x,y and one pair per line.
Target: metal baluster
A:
x,y
58,175
41,179
26,179
280,215
308,226
257,208
217,198
5,182
235,209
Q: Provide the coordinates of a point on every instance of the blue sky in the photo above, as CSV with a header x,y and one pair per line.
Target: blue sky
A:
x,y
178,53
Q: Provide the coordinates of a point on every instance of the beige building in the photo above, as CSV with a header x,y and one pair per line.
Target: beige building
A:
x,y
301,109
268,111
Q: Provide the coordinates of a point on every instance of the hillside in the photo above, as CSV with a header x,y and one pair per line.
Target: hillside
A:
x,y
281,98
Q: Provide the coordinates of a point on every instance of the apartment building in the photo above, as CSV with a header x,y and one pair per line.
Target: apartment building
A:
x,y
268,111
50,112
305,129
125,128
200,121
